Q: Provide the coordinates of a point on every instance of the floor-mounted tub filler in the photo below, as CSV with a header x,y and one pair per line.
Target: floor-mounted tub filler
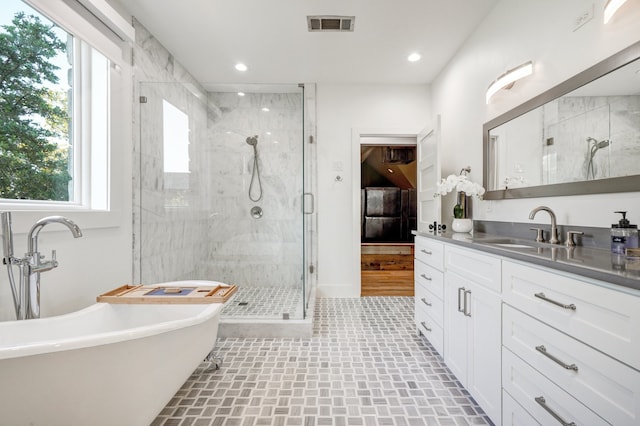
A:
x,y
107,364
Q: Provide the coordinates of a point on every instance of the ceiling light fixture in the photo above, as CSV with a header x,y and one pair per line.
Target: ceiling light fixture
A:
x,y
241,67
507,80
265,109
240,93
414,57
610,9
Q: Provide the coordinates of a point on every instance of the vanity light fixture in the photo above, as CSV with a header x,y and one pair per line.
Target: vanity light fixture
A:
x,y
507,80
610,8
241,67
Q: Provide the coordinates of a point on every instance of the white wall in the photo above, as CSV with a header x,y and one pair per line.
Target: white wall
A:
x,y
341,109
516,31
98,261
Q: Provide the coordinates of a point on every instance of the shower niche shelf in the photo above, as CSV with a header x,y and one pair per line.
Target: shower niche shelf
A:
x,y
168,294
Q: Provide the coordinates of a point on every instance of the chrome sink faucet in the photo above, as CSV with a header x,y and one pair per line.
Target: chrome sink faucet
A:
x,y
26,295
554,227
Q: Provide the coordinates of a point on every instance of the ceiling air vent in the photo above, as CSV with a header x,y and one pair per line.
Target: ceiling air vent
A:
x,y
330,23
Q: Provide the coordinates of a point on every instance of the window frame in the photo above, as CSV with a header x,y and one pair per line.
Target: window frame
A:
x,y
68,14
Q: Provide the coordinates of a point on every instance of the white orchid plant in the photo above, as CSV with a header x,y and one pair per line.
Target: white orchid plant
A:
x,y
461,184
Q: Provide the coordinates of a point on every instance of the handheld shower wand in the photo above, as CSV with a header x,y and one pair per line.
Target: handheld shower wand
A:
x,y
253,141
9,260
593,146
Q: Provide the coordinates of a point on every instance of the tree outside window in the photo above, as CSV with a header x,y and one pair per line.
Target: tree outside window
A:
x,y
35,154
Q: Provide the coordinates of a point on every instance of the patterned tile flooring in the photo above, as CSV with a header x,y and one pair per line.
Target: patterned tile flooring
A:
x,y
364,365
264,302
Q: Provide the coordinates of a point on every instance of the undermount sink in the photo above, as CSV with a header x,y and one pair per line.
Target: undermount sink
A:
x,y
506,243
513,245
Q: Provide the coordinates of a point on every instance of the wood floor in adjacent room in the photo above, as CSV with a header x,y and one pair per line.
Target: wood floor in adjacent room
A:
x,y
386,269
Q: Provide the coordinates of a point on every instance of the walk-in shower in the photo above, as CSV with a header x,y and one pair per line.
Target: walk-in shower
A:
x,y
194,218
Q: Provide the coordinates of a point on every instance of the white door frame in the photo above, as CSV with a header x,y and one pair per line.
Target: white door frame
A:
x,y
356,135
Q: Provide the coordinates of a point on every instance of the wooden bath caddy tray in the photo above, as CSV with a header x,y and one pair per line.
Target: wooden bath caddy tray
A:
x,y
169,294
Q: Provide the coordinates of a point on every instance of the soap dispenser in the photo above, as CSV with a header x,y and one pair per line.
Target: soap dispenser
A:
x,y
623,235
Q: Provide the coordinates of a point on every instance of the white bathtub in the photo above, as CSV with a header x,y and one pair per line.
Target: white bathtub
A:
x,y
108,364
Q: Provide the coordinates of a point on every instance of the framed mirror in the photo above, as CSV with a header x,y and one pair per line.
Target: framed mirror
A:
x,y
580,137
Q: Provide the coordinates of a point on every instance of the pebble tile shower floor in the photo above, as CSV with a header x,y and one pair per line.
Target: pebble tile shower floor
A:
x,y
364,365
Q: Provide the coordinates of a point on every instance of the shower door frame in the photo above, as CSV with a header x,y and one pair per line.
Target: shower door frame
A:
x,y
309,214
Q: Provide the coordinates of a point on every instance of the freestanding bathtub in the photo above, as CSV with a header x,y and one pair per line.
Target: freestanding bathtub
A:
x,y
107,364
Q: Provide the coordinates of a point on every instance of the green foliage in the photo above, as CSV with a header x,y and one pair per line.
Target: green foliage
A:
x,y
32,115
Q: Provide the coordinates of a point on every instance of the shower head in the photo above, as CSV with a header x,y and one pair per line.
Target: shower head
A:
x,y
252,140
598,144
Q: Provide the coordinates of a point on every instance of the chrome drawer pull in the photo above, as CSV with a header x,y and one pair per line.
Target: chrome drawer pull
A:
x,y
427,252
425,302
543,403
467,312
426,277
425,326
564,365
562,305
460,289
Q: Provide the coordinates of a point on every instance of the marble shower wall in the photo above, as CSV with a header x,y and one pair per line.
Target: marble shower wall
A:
x,y
173,206
169,226
198,225
265,251
573,119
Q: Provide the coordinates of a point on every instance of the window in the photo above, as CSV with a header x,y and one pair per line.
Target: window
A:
x,y
60,72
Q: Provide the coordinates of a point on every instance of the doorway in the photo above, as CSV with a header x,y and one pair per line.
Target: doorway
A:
x,y
388,214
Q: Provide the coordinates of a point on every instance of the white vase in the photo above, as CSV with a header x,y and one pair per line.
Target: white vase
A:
x,y
462,225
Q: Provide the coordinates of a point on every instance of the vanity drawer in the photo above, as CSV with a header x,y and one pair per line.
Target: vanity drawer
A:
x,y
432,305
478,267
513,414
430,278
430,252
606,319
430,329
540,397
608,387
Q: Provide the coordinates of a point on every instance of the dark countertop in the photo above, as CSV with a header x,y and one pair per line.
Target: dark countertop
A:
x,y
588,262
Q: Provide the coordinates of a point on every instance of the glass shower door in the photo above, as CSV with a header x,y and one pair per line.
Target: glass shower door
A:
x,y
200,155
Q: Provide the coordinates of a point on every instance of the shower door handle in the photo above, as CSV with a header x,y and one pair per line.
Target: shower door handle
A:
x,y
308,196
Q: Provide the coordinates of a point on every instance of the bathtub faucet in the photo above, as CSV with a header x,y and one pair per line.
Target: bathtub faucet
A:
x,y
26,295
35,265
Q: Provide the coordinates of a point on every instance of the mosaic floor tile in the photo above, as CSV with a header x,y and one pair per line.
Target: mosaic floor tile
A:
x,y
364,365
265,302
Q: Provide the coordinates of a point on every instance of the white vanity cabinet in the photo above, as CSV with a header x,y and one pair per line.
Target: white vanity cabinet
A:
x,y
571,348
532,345
429,289
472,332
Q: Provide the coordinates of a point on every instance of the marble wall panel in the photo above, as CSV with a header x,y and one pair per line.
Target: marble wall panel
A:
x,y
269,248
570,121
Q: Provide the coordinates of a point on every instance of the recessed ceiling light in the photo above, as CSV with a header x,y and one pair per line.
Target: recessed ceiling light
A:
x,y
414,57
265,109
241,67
240,93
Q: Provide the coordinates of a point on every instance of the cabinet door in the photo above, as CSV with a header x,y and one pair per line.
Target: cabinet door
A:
x,y
484,372
456,338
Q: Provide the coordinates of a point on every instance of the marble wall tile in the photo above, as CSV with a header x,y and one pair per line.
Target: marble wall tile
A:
x,y
571,120
198,225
